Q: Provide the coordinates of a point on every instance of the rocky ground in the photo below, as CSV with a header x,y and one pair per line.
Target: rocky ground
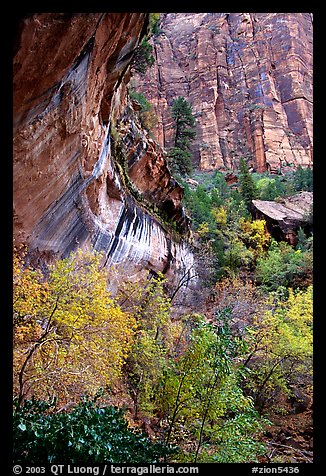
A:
x,y
289,439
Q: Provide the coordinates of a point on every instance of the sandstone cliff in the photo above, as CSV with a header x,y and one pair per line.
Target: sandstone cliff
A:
x,y
74,184
248,77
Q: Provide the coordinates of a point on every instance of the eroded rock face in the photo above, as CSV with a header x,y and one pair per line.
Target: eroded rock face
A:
x,y
70,74
286,216
148,171
248,77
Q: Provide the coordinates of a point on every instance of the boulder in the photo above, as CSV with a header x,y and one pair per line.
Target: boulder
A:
x,y
285,216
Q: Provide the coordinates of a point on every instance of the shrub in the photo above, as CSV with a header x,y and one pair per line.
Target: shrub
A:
x,y
154,28
202,400
282,266
303,179
147,115
143,58
89,433
267,189
280,357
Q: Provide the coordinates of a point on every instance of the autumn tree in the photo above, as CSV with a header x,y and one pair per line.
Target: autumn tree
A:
x,y
280,356
150,306
68,331
243,298
202,401
255,236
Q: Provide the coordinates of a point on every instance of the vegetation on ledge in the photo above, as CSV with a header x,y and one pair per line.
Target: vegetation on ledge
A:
x,y
171,225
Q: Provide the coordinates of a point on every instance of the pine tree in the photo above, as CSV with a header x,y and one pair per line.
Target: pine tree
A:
x,y
247,185
185,133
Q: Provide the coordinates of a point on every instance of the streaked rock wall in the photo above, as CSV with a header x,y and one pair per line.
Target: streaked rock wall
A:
x,y
70,76
248,77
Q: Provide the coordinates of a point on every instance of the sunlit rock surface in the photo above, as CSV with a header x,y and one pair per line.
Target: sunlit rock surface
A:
x,y
70,75
248,77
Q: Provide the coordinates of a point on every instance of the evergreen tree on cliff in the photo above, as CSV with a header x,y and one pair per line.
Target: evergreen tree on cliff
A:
x,y
185,133
247,185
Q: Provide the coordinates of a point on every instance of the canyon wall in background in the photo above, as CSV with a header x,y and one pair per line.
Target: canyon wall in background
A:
x,y
248,78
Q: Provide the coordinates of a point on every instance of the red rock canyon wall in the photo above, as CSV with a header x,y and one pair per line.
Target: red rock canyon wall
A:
x,y
70,75
248,77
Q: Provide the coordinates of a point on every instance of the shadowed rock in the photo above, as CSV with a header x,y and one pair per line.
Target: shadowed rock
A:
x,y
70,89
287,215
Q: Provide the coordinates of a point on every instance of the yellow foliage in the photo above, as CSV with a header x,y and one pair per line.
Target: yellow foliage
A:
x,y
72,338
29,290
149,120
220,216
297,318
255,235
203,230
282,340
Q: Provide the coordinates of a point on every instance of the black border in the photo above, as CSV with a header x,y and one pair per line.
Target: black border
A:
x,y
9,32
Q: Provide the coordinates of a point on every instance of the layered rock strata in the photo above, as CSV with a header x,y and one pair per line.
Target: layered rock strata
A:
x,y
70,72
248,77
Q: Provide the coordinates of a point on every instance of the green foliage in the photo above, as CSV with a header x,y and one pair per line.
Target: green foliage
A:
x,y
219,215
199,204
184,122
185,132
303,179
239,439
147,359
141,99
305,243
154,28
269,188
283,266
246,182
211,193
202,400
236,255
143,58
147,115
309,217
89,433
180,161
281,348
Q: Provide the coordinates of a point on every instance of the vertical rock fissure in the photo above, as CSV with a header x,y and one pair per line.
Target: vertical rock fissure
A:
x,y
257,64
